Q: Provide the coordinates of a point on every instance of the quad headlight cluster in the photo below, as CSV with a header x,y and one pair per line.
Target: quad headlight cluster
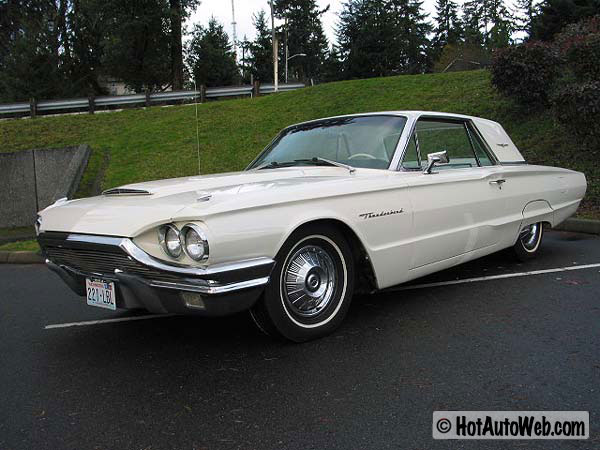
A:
x,y
190,239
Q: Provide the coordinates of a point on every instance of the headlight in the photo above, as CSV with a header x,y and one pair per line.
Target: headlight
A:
x,y
168,237
195,243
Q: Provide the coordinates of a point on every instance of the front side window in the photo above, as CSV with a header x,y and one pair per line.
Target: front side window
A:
x,y
437,136
434,135
364,141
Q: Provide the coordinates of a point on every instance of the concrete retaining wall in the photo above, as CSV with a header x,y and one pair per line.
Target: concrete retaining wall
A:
x,y
33,179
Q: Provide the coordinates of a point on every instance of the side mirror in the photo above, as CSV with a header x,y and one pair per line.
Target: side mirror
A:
x,y
436,158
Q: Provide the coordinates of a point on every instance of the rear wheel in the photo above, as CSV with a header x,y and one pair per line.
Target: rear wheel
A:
x,y
529,241
311,286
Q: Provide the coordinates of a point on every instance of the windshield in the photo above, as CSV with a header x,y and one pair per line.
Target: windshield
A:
x,y
367,141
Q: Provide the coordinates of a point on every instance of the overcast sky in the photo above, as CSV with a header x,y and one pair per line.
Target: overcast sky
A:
x,y
221,10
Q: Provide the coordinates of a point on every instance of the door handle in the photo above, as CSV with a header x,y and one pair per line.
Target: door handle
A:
x,y
498,182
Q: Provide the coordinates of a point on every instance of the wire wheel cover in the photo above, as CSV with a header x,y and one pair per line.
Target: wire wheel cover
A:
x,y
530,236
309,281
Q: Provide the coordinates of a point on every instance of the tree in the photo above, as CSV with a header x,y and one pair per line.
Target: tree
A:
x,y
261,49
303,34
88,22
502,24
448,27
210,56
488,22
31,62
333,67
527,10
473,22
554,15
178,11
136,49
383,37
411,36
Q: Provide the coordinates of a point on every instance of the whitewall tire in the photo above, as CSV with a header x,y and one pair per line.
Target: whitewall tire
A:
x,y
311,285
529,241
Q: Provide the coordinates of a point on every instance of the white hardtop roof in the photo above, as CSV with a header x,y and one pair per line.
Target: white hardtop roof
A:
x,y
407,113
503,147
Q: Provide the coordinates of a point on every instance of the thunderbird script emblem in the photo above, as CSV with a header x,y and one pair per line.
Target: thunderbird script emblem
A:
x,y
373,215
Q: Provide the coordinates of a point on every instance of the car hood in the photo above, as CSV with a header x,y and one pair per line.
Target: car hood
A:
x,y
128,214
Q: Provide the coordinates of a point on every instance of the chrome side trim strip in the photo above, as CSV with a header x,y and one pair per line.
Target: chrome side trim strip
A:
x,y
211,290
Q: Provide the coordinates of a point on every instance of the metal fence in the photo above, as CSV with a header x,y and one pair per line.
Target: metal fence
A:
x,y
91,103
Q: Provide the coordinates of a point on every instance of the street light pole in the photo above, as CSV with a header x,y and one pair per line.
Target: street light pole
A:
x,y
286,50
286,62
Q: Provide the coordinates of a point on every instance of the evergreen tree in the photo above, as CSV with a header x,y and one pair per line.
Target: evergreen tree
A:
x,y
448,27
383,37
179,10
488,22
261,49
137,47
31,61
554,15
303,34
333,68
473,22
210,56
502,23
60,48
411,32
527,10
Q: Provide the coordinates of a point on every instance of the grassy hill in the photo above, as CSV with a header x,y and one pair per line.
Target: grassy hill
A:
x,y
160,142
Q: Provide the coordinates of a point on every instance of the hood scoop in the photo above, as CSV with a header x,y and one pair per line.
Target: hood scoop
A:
x,y
126,191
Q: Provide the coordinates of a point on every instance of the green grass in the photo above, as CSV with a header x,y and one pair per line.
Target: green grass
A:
x,y
22,246
152,143
17,232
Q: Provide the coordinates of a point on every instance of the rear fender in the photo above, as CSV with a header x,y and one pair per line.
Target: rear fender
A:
x,y
537,211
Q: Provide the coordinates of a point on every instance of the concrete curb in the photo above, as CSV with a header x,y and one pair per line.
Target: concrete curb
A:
x,y
21,258
588,226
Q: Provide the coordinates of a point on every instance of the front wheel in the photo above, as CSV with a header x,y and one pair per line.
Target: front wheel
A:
x,y
311,286
529,241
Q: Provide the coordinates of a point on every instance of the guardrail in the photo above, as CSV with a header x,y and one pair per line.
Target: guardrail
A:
x,y
91,103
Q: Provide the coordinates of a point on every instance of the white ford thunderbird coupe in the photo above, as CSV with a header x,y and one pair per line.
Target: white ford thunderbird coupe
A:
x,y
330,207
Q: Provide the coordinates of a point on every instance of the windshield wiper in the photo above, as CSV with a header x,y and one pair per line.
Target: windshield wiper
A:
x,y
275,165
316,159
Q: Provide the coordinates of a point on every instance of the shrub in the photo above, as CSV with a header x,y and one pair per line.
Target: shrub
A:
x,y
576,106
526,72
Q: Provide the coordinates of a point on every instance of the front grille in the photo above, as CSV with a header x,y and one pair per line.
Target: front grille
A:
x,y
103,262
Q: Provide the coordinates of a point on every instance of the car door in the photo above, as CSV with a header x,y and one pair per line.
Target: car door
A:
x,y
457,205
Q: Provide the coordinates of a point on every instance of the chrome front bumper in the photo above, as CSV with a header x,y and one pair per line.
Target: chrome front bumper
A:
x,y
143,281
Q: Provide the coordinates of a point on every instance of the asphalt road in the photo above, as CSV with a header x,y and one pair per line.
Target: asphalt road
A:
x,y
524,343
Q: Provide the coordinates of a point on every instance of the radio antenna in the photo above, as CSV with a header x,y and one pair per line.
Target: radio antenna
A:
x,y
197,126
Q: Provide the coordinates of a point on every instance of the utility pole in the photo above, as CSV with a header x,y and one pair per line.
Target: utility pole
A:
x,y
244,47
234,26
286,49
275,48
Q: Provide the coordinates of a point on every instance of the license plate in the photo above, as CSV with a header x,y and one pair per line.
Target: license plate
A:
x,y
100,293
